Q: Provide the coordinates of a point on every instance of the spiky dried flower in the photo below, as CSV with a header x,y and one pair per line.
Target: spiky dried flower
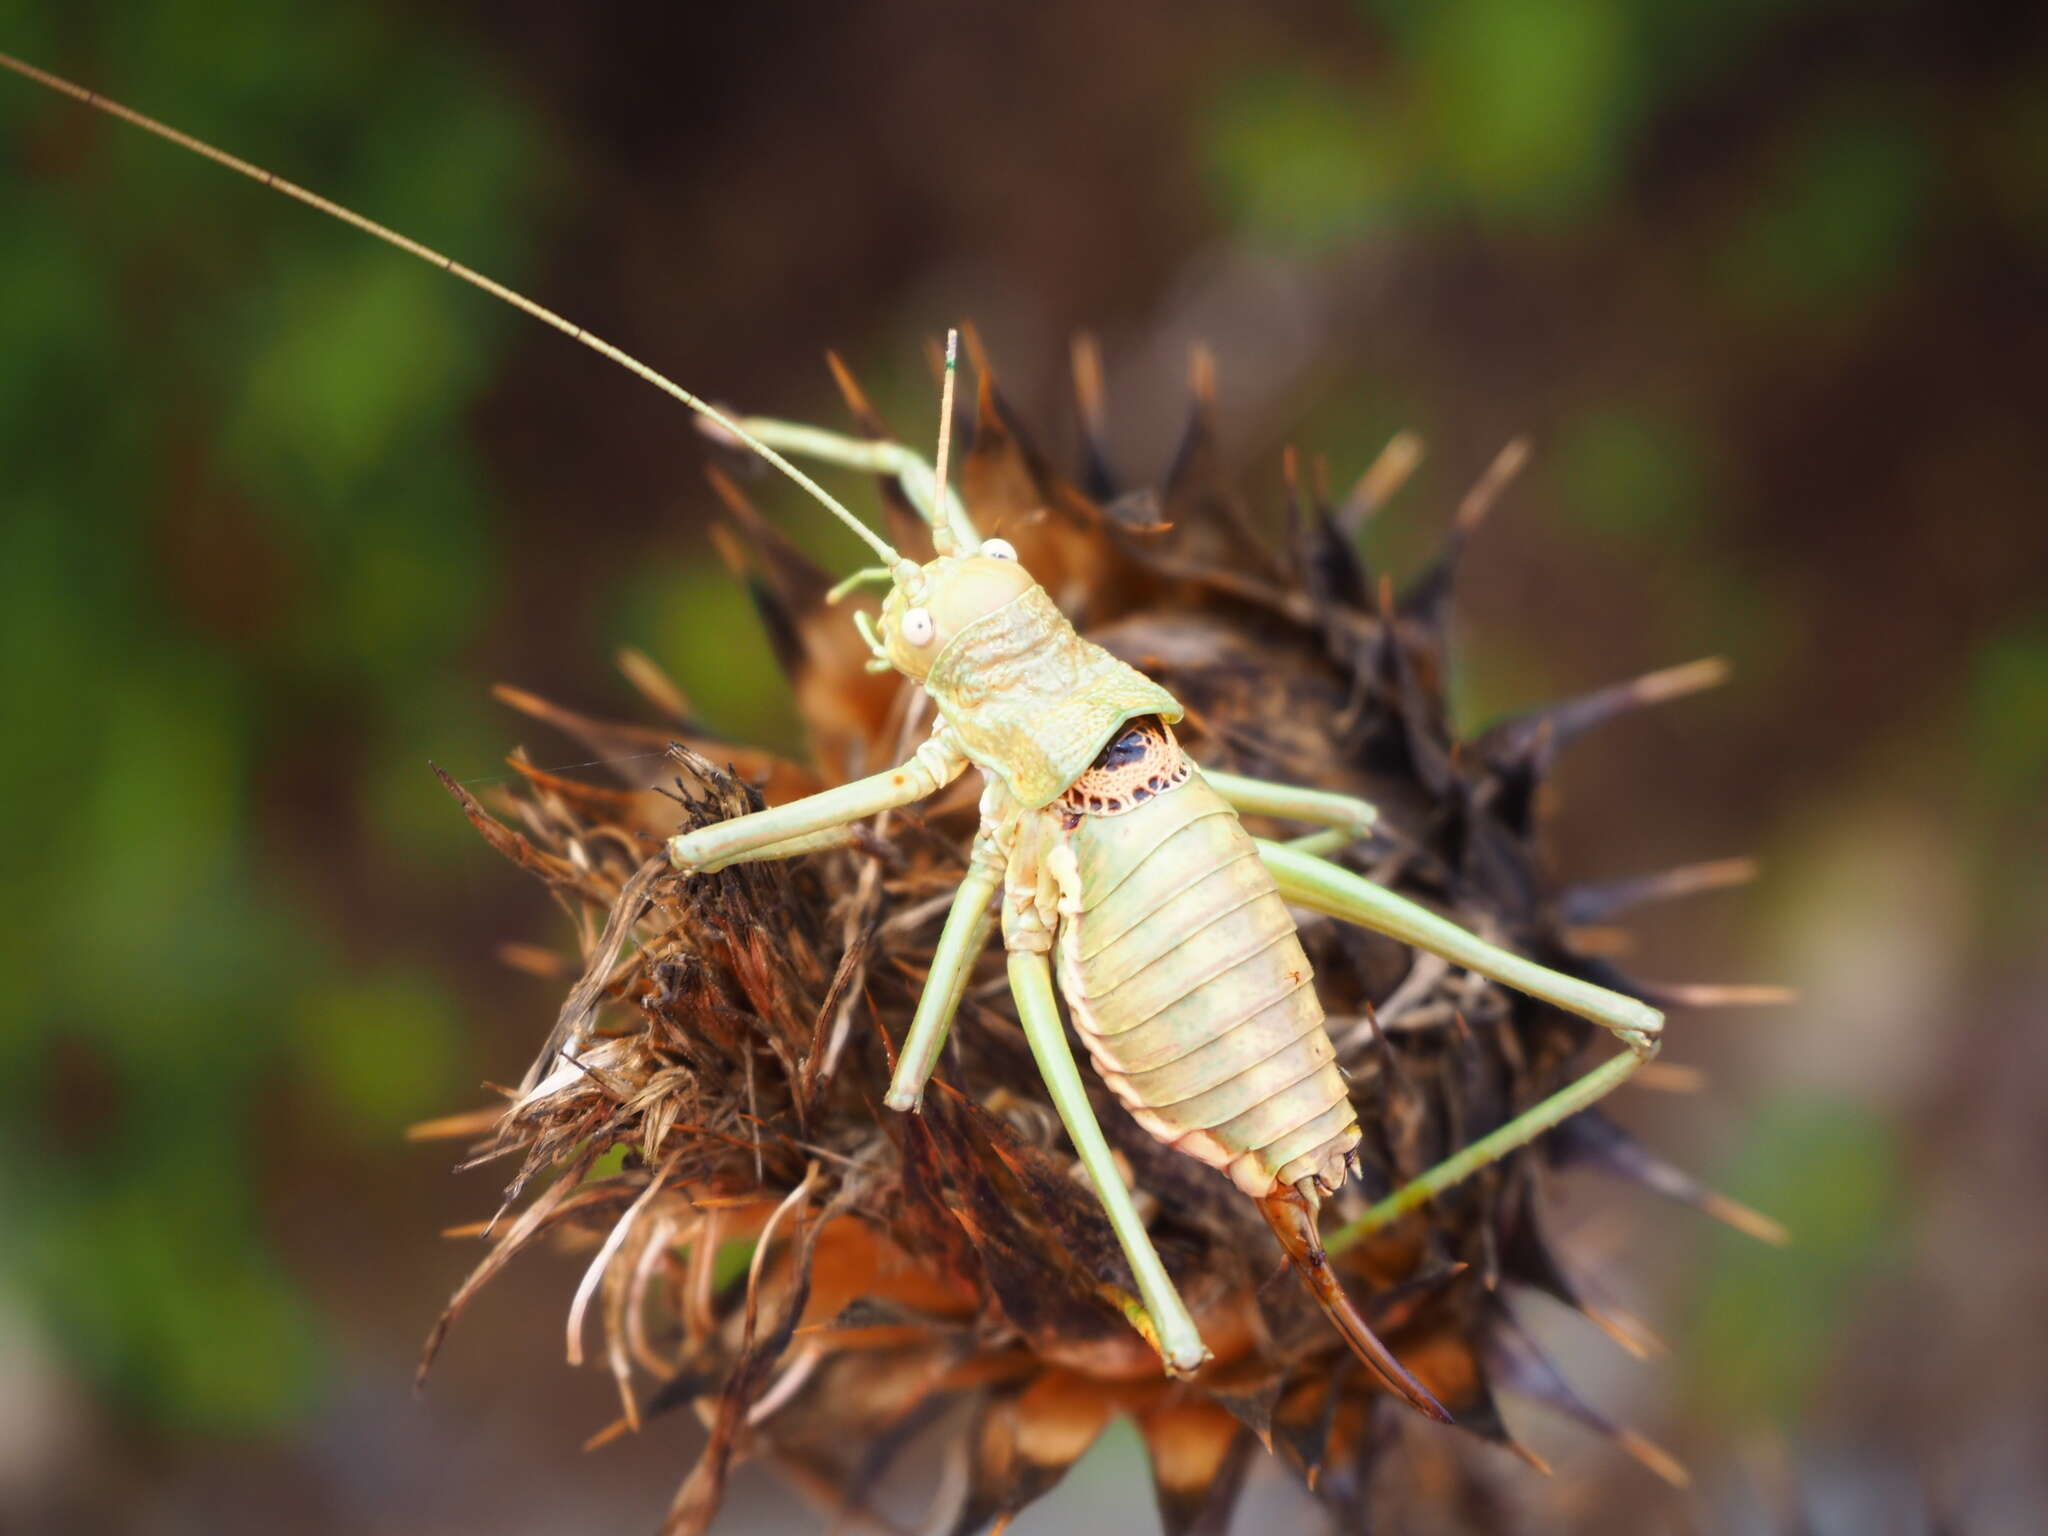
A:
x,y
733,1035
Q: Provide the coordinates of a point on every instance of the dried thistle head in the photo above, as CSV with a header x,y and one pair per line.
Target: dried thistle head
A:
x,y
712,1089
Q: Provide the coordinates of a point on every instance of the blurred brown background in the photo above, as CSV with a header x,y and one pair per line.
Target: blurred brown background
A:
x,y
1763,280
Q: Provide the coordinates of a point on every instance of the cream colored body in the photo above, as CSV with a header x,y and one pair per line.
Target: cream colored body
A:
x,y
1189,987
1177,958
1184,977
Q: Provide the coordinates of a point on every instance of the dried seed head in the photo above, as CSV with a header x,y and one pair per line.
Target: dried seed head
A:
x,y
731,1039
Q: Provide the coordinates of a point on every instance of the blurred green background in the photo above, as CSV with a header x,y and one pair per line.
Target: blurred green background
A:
x,y
1763,279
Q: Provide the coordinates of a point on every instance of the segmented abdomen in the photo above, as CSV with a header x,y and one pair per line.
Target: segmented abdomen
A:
x,y
1191,991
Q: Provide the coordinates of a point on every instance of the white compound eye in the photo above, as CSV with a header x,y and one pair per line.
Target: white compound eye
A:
x,y
917,627
999,549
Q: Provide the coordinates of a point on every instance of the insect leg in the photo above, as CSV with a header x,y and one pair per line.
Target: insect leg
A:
x,y
1346,817
878,456
1325,887
1177,1339
1321,886
788,848
1518,1132
795,828
960,942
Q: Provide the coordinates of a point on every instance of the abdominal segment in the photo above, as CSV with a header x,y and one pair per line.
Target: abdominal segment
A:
x,y
1190,989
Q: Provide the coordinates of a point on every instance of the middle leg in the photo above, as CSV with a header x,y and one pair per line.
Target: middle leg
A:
x,y
1345,819
1316,883
1324,887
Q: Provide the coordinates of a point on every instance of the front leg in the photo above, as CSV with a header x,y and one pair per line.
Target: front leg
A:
x,y
960,944
920,482
806,824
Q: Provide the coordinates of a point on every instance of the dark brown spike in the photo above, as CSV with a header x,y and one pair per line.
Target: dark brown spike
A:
x,y
1198,497
1336,568
1684,994
1252,1405
778,623
888,1443
782,583
603,736
1294,524
1709,994
1526,1254
1199,1455
1591,1140
1306,1416
653,683
1382,480
862,409
977,352
1528,1257
1195,472
1512,459
511,844
627,749
1429,595
1293,1221
1098,476
1554,726
996,476
1336,572
1418,695
1586,904
1326,564
795,578
1025,1441
1514,1363
1447,1356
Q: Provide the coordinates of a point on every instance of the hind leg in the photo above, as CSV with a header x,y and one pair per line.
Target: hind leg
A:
x,y
1518,1132
1328,888
1173,1331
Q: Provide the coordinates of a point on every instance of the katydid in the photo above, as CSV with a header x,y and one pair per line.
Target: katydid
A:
x,y
1119,872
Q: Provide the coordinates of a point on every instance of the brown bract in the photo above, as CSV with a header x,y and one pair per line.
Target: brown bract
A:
x,y
819,1280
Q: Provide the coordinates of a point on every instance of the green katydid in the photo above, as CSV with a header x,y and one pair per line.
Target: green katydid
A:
x,y
1122,875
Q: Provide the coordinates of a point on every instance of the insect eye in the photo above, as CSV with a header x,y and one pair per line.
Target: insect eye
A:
x,y
917,627
999,549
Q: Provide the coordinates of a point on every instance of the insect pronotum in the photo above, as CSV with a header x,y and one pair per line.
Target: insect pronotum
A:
x,y
1105,850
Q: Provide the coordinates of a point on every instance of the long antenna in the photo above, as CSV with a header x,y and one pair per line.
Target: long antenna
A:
x,y
455,269
942,527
